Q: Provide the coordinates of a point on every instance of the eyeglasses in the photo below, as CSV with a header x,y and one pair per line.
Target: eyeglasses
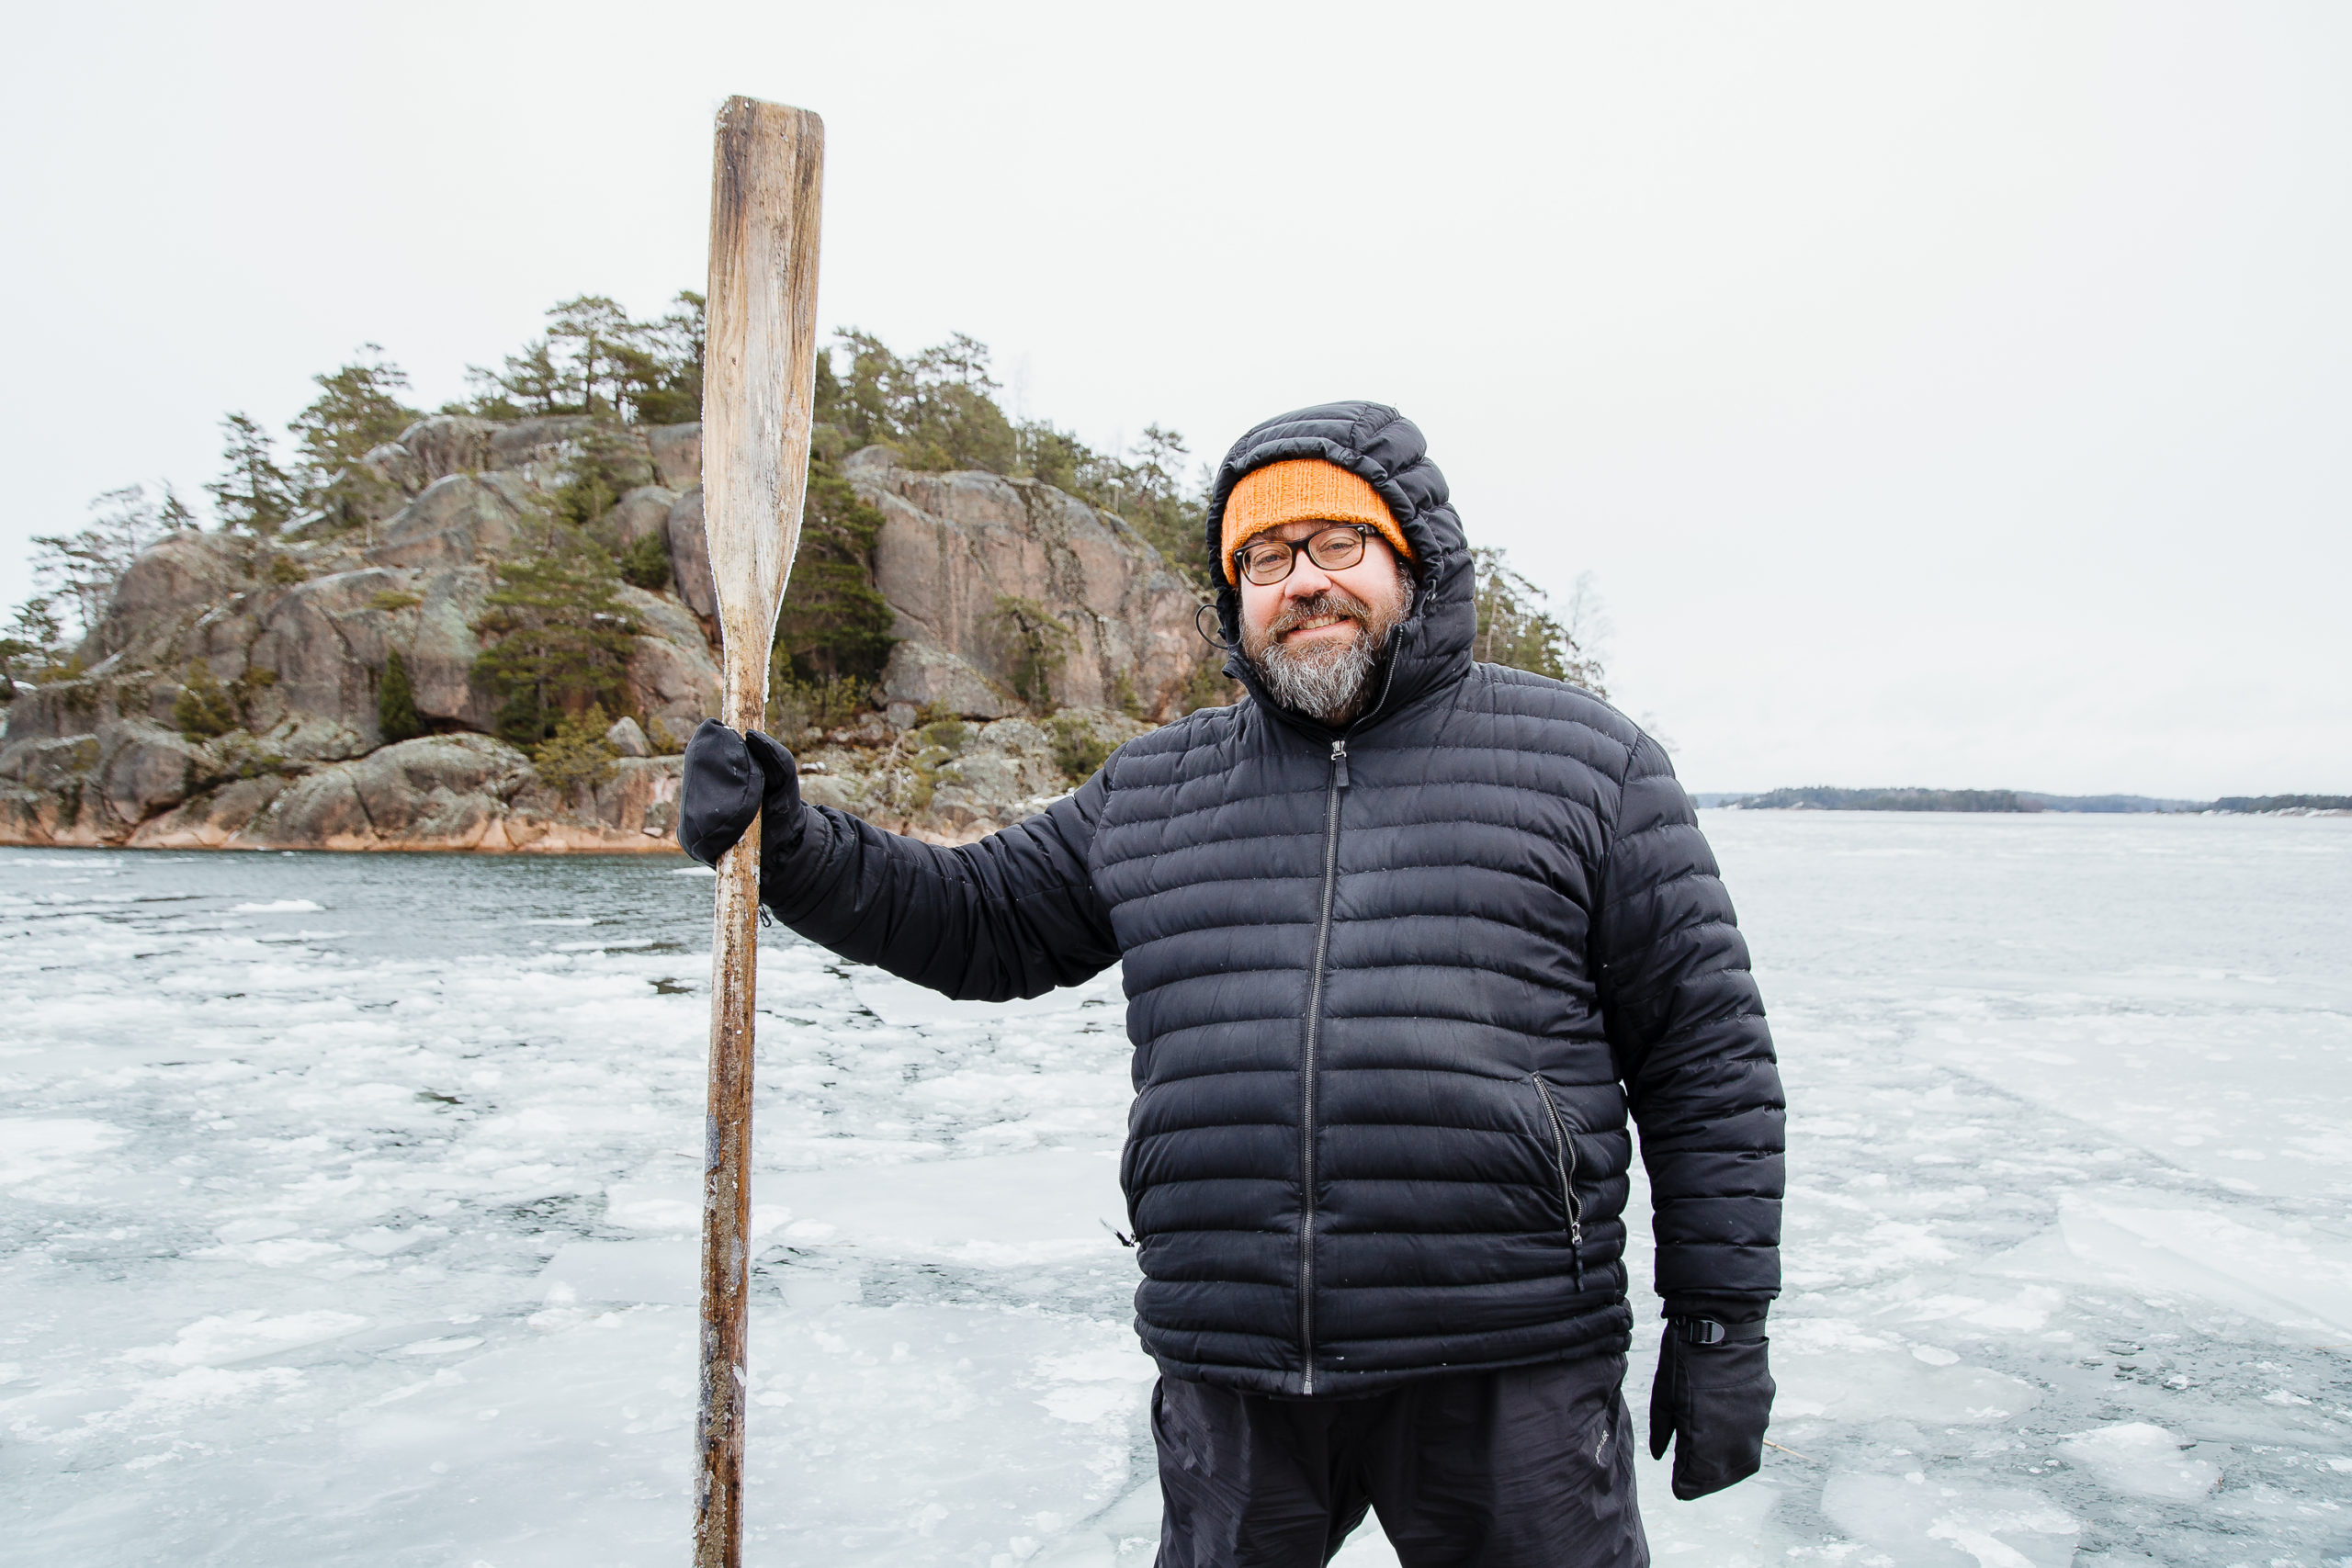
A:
x,y
1268,561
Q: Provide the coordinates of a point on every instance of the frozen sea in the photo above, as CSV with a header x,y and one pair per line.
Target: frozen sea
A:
x,y
347,1207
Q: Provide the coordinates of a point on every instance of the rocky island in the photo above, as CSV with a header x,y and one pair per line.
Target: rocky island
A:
x,y
491,627
231,693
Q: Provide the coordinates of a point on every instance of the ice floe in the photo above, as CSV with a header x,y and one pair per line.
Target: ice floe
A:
x,y
378,1244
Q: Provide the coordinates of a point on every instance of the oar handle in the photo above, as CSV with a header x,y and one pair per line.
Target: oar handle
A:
x,y
727,1213
759,387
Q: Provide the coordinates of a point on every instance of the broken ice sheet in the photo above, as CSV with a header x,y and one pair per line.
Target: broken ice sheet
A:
x,y
378,1245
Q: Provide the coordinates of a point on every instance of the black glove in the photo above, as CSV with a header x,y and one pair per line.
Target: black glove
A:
x,y
1714,1391
730,780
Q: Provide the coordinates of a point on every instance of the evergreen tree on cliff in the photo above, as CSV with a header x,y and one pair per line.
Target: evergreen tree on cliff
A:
x,y
83,568
592,330
530,384
253,493
835,624
563,635
30,646
938,409
356,411
396,714
594,359
661,365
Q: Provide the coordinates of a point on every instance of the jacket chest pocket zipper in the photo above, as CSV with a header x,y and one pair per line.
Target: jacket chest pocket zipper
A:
x,y
1563,1161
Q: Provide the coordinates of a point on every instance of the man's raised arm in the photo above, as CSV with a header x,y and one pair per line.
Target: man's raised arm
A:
x,y
1014,915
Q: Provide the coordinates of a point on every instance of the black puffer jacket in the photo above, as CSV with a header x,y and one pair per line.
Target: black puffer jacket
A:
x,y
1391,991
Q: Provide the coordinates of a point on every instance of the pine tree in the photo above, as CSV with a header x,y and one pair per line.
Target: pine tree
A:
x,y
356,412
563,637
173,514
396,714
83,567
1149,493
30,647
596,331
829,397
646,563
577,756
938,409
835,622
204,709
605,465
532,384
253,493
595,359
661,365
1516,627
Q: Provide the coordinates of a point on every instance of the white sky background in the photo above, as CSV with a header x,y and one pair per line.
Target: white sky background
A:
x,y
1953,395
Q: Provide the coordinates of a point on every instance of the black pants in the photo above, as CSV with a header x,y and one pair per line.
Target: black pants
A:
x,y
1532,1467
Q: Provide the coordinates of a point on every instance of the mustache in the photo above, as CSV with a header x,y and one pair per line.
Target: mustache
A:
x,y
1329,602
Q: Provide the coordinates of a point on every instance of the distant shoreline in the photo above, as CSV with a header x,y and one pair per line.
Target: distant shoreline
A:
x,y
1826,797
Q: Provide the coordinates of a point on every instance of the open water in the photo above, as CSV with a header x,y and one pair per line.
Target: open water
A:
x,y
348,1204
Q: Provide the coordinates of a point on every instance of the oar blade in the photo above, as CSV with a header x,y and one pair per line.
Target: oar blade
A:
x,y
759,368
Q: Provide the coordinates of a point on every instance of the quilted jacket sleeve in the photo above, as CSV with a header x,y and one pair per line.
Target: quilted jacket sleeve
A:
x,y
1686,1029
1014,915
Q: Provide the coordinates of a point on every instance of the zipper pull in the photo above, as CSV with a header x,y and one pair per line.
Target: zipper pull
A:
x,y
1339,762
1576,1237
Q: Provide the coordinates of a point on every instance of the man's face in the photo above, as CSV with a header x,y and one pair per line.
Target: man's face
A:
x,y
1316,636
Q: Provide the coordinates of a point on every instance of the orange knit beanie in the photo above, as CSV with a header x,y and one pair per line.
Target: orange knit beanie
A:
x,y
1299,489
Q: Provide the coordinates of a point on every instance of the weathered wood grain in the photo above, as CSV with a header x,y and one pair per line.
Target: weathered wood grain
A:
x,y
759,386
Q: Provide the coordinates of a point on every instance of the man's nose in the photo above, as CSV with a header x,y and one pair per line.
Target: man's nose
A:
x,y
1305,579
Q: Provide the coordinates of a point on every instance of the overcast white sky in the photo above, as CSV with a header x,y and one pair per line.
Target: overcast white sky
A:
x,y
1942,395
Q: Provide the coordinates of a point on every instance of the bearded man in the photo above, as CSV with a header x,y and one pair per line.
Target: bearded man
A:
x,y
1405,937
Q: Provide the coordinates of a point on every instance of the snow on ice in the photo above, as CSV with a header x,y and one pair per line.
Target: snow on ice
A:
x,y
347,1213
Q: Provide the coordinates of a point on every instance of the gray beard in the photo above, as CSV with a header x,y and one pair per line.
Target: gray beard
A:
x,y
1331,685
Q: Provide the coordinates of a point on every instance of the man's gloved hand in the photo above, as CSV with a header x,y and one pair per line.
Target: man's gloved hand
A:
x,y
1715,1392
731,779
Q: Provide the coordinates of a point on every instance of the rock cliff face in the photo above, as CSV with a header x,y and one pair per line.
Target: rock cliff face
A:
x,y
957,551
954,782
296,633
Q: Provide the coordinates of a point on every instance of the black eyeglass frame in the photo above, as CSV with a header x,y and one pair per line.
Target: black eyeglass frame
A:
x,y
1363,530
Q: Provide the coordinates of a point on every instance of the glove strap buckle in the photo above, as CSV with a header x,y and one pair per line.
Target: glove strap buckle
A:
x,y
1707,1331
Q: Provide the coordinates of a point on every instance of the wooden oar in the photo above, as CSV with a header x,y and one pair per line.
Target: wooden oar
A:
x,y
758,388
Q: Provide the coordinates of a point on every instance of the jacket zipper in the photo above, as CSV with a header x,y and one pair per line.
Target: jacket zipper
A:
x,y
1563,1161
1307,1078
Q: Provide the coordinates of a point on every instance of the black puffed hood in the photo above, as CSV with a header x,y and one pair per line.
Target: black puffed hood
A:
x,y
1432,649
